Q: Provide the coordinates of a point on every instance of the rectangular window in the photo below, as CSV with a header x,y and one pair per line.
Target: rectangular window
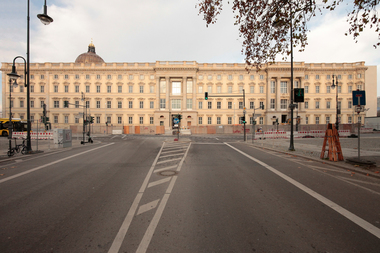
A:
x,y
76,120
87,88
31,104
200,120
252,89
87,77
189,86
316,77
339,89
316,104
109,120
109,77
11,104
209,120
189,103
56,119
31,76
119,120
87,104
66,88
42,77
328,104
142,77
306,105
295,84
229,77
261,120
240,105
98,89
76,76
21,105
55,88
141,89
66,76
229,105
261,104
218,120
141,104
120,89
317,120
109,89
162,103
349,120
130,104
219,77
349,89
251,105
251,77
76,104
200,89
306,89
56,104
339,104
284,103
151,120
119,104
209,89
261,77
97,104
218,105
97,76
218,89
349,104
261,89
130,89
229,120
272,103
163,86
130,120
306,120
229,89
55,76
176,88
200,105
151,104
328,77
349,76
130,77
176,104
284,87
328,89
77,88
98,119
119,77
241,77
273,87
209,105
151,89
327,119
32,88
108,104
317,89
66,119
240,89
306,77
141,120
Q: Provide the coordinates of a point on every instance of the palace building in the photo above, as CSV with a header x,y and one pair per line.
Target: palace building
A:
x,y
148,94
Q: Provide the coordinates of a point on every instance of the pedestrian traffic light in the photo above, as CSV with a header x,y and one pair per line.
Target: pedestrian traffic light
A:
x,y
206,95
299,95
66,104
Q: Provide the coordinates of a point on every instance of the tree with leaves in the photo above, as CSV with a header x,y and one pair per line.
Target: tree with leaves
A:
x,y
265,25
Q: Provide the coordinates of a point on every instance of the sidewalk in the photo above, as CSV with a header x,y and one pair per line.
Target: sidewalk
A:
x,y
312,148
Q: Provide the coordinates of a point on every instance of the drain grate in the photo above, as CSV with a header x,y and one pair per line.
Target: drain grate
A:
x,y
167,173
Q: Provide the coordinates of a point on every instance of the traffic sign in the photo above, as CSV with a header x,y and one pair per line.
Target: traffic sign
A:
x,y
358,97
176,120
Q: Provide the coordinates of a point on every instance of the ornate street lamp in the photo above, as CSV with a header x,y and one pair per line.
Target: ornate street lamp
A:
x,y
12,77
45,19
337,107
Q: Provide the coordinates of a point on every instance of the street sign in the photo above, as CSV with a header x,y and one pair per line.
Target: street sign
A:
x,y
358,97
176,120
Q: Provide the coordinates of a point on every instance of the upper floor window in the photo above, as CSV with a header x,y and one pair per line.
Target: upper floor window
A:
x,y
241,77
130,77
55,88
142,77
284,87
55,76
109,77
141,89
87,76
317,89
66,76
109,89
251,77
42,77
97,76
176,88
76,76
317,77
261,77
229,77
119,77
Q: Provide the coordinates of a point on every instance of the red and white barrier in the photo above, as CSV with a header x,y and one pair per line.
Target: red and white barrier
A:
x,y
33,135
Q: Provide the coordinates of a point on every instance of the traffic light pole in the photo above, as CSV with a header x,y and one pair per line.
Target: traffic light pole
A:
x,y
66,105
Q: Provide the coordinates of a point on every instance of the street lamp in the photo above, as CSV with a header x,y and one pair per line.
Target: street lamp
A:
x,y
45,19
12,77
337,107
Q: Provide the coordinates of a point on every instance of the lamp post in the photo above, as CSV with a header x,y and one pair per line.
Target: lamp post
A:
x,y
337,107
45,19
10,124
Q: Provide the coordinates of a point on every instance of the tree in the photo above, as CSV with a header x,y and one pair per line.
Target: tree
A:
x,y
265,25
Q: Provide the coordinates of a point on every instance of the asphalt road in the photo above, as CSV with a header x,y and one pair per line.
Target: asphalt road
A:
x,y
150,194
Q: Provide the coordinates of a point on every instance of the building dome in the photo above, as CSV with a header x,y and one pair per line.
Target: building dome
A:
x,y
90,56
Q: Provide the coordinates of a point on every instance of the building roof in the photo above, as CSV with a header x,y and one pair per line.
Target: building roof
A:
x,y
90,56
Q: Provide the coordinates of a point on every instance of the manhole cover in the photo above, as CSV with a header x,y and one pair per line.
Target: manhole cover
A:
x,y
168,173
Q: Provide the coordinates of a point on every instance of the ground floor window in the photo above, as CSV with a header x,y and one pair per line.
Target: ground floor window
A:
x,y
151,120
218,120
130,121
229,120
209,120
119,120
200,121
141,120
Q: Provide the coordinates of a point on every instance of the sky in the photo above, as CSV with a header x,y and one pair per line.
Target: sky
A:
x,y
159,30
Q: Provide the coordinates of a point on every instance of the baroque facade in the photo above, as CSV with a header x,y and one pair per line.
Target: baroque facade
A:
x,y
150,93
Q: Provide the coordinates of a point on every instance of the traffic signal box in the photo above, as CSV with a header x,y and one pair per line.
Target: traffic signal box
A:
x,y
242,119
299,95
206,95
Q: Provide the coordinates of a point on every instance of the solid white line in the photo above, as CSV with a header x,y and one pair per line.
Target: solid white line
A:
x,y
171,185
147,207
181,162
124,227
128,219
152,226
352,217
161,181
166,168
171,160
46,165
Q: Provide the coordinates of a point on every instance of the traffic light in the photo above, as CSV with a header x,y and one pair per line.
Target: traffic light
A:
x,y
92,119
206,95
66,104
44,110
179,117
299,95
242,119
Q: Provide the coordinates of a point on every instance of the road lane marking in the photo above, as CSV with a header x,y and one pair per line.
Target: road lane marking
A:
x,y
48,164
147,207
171,160
161,181
166,168
172,155
352,217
